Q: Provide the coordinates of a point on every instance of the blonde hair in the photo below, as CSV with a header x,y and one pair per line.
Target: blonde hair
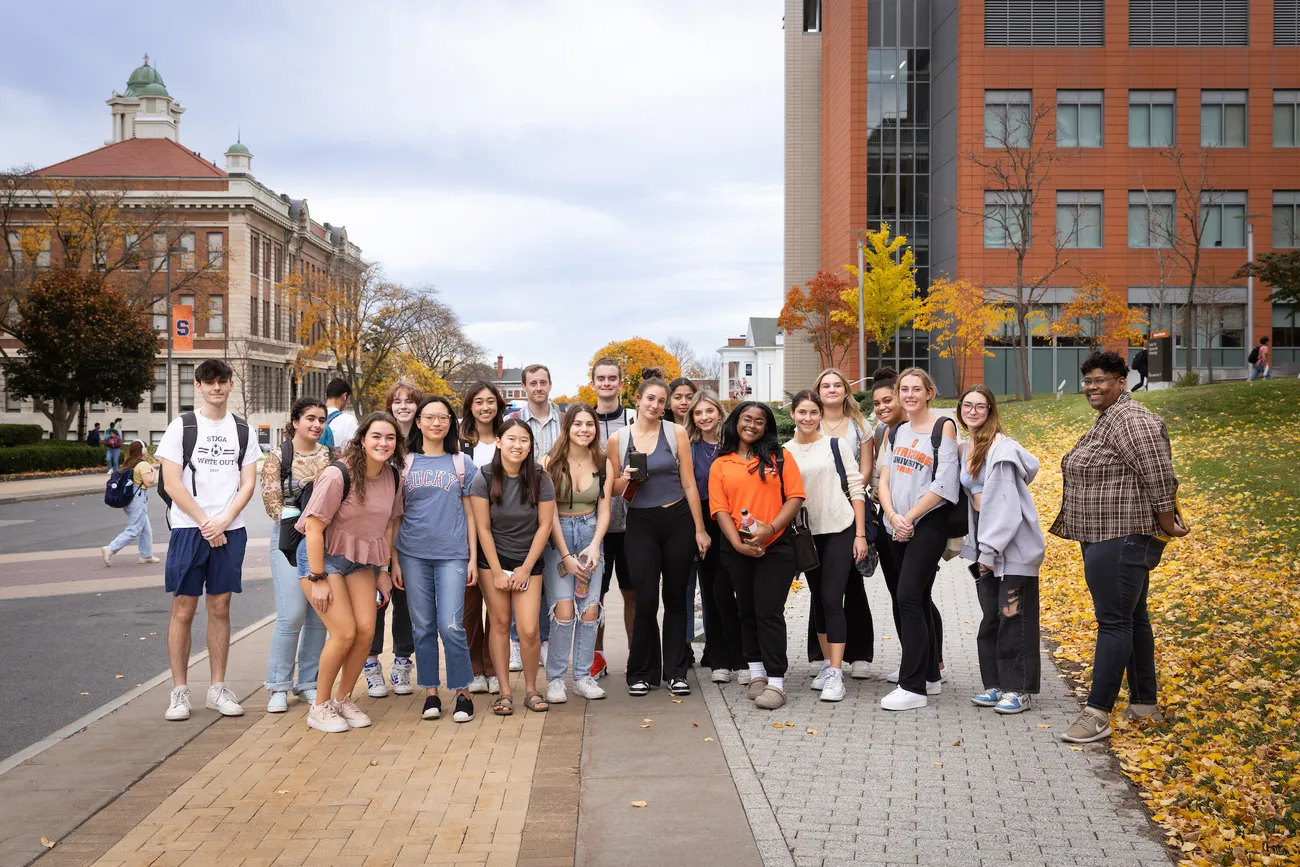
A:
x,y
692,432
925,378
851,408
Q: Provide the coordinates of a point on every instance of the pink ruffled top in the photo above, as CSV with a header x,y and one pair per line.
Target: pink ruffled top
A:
x,y
357,530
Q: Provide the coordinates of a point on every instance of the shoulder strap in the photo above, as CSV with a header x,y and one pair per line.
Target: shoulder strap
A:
x,y
286,460
189,439
241,433
780,471
839,465
458,461
347,479
600,477
397,479
936,441
333,414
670,432
625,443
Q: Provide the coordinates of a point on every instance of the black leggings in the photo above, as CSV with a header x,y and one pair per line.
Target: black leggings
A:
x,y
722,642
829,581
889,565
403,638
659,542
762,585
921,629
615,561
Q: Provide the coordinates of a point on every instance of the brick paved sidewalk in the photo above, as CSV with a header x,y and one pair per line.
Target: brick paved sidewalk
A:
x,y
950,784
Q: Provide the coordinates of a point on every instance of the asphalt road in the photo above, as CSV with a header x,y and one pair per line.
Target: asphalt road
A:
x,y
52,649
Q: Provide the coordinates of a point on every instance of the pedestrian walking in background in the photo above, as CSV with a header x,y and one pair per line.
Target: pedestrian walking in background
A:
x,y
918,488
113,443
209,472
437,553
723,647
299,633
340,425
401,403
652,458
482,414
583,483
138,529
349,523
1118,501
1141,363
1005,545
1260,360
612,416
755,491
95,437
842,418
837,516
514,513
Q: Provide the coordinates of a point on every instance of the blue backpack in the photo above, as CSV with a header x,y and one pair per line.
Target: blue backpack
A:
x,y
327,438
121,489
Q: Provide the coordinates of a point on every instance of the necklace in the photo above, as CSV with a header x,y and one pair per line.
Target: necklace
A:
x,y
834,428
806,449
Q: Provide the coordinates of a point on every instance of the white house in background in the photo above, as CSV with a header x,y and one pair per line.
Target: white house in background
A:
x,y
754,363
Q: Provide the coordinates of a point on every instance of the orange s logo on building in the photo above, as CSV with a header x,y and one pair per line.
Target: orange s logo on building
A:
x,y
183,327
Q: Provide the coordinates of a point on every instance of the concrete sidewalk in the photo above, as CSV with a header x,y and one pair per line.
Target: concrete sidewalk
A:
x,y
51,487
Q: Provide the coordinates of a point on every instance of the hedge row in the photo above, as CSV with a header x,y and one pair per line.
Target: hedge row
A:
x,y
20,434
48,457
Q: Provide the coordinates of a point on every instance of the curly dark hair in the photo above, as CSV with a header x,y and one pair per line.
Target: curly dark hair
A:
x,y
766,449
1107,362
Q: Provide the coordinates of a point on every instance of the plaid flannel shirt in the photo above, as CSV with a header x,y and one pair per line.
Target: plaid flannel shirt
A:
x,y
1117,477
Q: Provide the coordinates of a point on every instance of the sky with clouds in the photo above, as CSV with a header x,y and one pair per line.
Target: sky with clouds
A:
x,y
565,173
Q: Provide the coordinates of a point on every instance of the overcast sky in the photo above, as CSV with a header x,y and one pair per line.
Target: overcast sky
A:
x,y
565,173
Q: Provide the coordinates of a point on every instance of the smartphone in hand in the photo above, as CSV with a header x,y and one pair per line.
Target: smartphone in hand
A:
x,y
640,469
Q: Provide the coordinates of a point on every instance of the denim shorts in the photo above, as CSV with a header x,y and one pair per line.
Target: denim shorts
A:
x,y
335,564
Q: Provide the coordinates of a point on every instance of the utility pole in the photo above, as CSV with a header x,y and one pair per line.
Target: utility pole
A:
x,y
171,326
862,341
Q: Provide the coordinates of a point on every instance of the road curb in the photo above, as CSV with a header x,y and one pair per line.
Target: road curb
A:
x,y
10,499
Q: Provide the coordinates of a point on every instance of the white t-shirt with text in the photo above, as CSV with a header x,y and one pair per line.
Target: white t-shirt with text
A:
x,y
214,465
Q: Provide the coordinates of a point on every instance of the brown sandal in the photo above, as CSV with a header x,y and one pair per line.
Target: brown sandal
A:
x,y
504,705
533,699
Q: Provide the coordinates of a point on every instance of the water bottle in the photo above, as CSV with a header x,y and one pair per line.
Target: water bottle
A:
x,y
582,585
747,522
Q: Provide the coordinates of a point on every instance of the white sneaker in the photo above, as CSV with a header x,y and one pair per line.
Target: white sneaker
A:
x,y
324,718
721,675
222,700
516,658
376,686
106,554
401,675
144,561
541,659
860,670
819,682
933,687
834,689
351,714
588,688
555,693
943,674
743,677
307,695
901,699
892,677
278,702
179,709
494,685
478,685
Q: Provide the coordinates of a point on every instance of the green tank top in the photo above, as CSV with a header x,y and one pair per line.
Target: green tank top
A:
x,y
579,501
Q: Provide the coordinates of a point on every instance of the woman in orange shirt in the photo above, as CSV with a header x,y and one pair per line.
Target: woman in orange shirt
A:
x,y
755,482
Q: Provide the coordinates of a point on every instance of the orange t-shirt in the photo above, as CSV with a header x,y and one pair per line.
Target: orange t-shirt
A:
x,y
733,487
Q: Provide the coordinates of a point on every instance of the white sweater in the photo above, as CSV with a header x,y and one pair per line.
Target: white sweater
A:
x,y
829,510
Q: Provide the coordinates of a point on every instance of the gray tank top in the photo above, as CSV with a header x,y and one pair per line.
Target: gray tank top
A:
x,y
665,483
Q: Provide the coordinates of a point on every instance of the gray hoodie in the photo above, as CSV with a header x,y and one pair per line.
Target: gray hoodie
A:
x,y
1005,535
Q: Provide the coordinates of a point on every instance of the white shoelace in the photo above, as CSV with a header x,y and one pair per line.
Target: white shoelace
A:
x,y
225,694
180,698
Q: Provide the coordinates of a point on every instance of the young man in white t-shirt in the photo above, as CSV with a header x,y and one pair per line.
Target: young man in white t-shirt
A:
x,y
342,424
206,549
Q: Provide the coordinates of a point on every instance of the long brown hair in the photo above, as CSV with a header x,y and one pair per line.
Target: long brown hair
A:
x,y
354,456
981,438
530,474
851,408
134,454
468,424
557,462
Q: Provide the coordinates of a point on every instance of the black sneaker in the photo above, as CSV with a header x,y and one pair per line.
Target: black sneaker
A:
x,y
679,686
464,709
638,688
432,708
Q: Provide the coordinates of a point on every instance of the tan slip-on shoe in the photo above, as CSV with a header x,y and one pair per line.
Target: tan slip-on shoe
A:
x,y
756,687
771,699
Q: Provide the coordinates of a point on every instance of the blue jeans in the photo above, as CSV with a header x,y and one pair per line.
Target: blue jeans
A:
x,y
138,529
299,632
113,457
575,632
435,596
1258,370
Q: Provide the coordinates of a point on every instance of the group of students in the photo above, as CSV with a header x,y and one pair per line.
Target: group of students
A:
x,y
499,535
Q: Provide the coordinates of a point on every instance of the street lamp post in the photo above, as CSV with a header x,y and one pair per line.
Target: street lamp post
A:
x,y
171,326
1250,281
862,341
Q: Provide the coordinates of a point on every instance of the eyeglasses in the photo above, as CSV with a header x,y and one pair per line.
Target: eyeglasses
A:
x,y
432,418
975,407
1099,381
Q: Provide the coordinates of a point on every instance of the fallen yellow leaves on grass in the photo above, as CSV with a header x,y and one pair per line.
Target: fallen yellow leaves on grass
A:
x,y
1222,774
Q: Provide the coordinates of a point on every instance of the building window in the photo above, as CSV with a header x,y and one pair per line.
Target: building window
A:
x,y
254,258
155,437
185,386
216,314
279,264
1286,330
1078,218
12,404
1078,119
1223,118
1189,22
187,257
266,258
1006,219
252,316
1007,118
160,315
131,249
1286,220
1151,118
1224,216
15,249
43,254
1286,118
185,300
159,251
266,318
812,16
216,247
1150,218
158,397
1044,22
749,368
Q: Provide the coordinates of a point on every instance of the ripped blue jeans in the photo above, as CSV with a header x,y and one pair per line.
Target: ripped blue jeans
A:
x,y
577,632
435,596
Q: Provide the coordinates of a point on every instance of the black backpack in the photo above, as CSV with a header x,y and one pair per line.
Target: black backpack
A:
x,y
189,439
289,535
958,519
1253,358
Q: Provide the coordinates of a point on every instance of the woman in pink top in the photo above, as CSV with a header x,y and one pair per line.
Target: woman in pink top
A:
x,y
349,523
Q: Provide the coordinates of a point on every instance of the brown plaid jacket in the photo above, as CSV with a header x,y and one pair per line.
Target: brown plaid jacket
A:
x,y
1117,477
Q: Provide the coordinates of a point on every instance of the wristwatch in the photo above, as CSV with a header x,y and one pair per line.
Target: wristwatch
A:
x,y
316,576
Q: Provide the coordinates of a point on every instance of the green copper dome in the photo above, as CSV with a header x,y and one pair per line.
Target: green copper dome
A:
x,y
238,148
146,81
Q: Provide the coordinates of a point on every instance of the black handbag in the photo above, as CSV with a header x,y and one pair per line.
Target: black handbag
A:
x,y
805,548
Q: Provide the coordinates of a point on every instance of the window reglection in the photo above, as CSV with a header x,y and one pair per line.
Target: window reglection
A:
x,y
1007,118
1078,218
1078,118
1150,118
1223,118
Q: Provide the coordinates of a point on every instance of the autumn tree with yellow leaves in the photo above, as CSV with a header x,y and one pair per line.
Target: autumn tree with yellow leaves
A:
x,y
959,316
633,355
889,288
1099,317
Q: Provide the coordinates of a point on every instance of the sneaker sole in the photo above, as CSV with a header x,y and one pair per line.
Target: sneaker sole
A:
x,y
460,716
1009,712
211,706
435,713
983,703
284,709
402,690
174,718
717,678
477,690
358,725
564,700
638,692
321,728
1101,735
826,697
376,694
593,697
